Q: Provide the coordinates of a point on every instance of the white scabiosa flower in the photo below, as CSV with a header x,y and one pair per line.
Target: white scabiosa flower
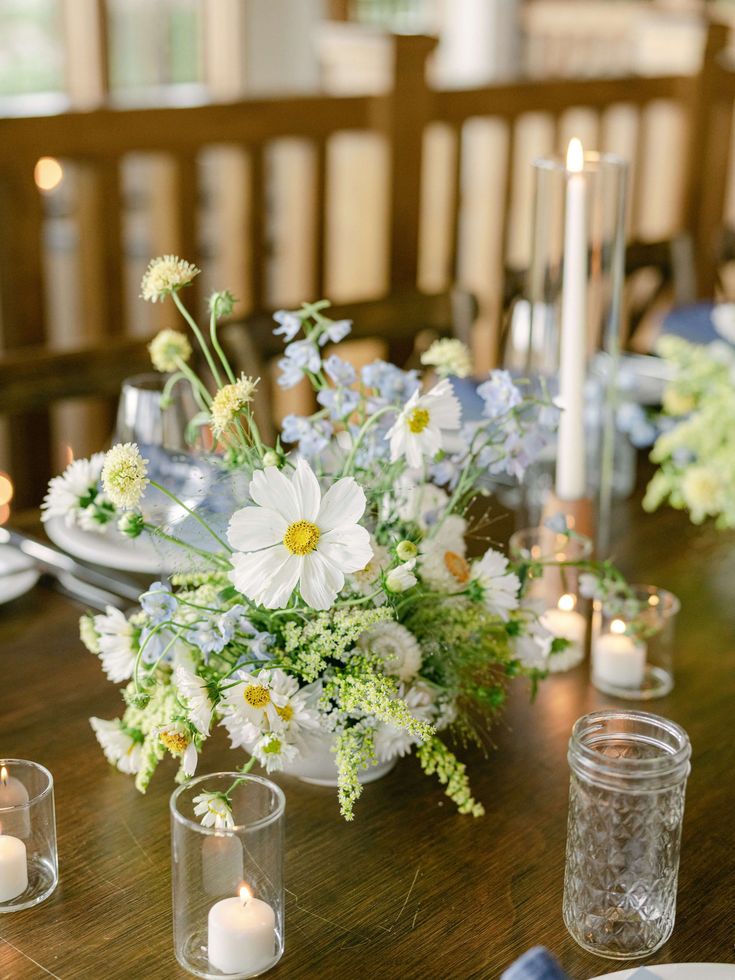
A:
x,y
396,646
500,587
230,400
120,748
169,349
193,692
295,537
70,493
115,642
448,356
213,810
401,578
421,428
178,741
124,475
166,275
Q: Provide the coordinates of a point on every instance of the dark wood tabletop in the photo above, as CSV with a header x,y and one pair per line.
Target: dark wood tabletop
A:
x,y
410,889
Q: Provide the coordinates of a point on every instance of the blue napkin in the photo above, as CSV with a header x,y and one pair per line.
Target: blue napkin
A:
x,y
536,964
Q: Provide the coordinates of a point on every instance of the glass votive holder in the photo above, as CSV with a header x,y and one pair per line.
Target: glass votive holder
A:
x,y
626,806
633,643
227,878
29,866
551,588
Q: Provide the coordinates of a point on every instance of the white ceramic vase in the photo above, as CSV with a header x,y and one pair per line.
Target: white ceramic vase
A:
x,y
316,763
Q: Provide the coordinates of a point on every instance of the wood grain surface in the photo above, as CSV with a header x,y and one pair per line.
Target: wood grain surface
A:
x,y
410,889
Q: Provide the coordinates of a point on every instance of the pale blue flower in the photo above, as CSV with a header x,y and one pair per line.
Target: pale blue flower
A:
x,y
312,435
155,643
557,522
444,473
290,324
341,402
301,356
336,331
339,371
290,374
158,603
391,383
205,636
499,394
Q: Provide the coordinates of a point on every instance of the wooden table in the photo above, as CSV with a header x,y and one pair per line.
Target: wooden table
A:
x,y
410,889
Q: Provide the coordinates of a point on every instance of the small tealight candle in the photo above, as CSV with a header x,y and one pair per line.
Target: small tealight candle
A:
x,y
13,867
618,659
14,794
565,623
241,934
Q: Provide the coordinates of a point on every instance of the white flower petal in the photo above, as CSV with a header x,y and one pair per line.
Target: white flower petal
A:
x,y
253,528
342,504
272,489
348,547
253,572
307,489
280,587
320,582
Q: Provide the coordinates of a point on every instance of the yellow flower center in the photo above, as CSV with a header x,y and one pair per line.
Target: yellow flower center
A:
x,y
418,420
457,566
286,712
256,696
301,537
175,742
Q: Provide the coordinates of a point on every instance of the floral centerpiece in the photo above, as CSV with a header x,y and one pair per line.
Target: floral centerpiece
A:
x,y
696,449
341,602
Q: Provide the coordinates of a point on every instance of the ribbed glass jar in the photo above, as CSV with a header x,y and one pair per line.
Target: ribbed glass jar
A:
x,y
626,806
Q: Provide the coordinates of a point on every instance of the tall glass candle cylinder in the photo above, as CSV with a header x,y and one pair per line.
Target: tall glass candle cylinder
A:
x,y
227,877
626,807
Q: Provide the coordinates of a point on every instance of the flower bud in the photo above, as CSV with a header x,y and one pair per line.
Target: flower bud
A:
x,y
406,550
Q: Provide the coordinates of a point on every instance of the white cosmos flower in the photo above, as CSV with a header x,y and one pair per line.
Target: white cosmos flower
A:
x,y
115,641
421,427
70,493
193,692
396,646
500,586
273,751
120,748
295,537
214,811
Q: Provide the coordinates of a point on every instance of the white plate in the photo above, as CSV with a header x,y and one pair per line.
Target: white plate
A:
x,y
110,549
679,971
17,574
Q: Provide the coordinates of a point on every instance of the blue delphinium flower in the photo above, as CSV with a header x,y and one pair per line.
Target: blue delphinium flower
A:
x,y
392,384
158,603
557,522
205,636
155,643
290,324
301,356
339,371
340,402
312,435
499,394
336,331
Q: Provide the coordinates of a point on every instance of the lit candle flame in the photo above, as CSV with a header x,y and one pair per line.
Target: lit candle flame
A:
x,y
575,156
245,895
567,602
68,455
617,626
4,775
48,173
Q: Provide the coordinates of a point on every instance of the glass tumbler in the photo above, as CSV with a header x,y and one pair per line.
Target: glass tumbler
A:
x,y
228,897
29,869
626,806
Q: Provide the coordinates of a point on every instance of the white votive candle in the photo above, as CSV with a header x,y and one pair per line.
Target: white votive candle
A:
x,y
14,794
565,623
241,934
619,660
13,867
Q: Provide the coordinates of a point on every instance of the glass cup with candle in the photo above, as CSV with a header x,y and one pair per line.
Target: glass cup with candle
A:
x,y
632,643
551,589
626,807
28,859
228,896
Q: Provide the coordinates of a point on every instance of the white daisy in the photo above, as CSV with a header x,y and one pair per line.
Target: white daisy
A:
x,y
443,569
396,646
421,427
120,748
295,537
115,640
422,503
72,491
500,587
178,741
273,751
251,707
193,692
366,580
214,811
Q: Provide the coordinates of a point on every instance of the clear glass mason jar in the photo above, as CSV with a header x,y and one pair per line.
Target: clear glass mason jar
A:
x,y
228,896
626,806
29,867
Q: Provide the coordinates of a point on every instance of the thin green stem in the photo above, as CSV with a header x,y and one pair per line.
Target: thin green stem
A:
x,y
198,334
192,513
368,424
216,344
203,398
155,531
